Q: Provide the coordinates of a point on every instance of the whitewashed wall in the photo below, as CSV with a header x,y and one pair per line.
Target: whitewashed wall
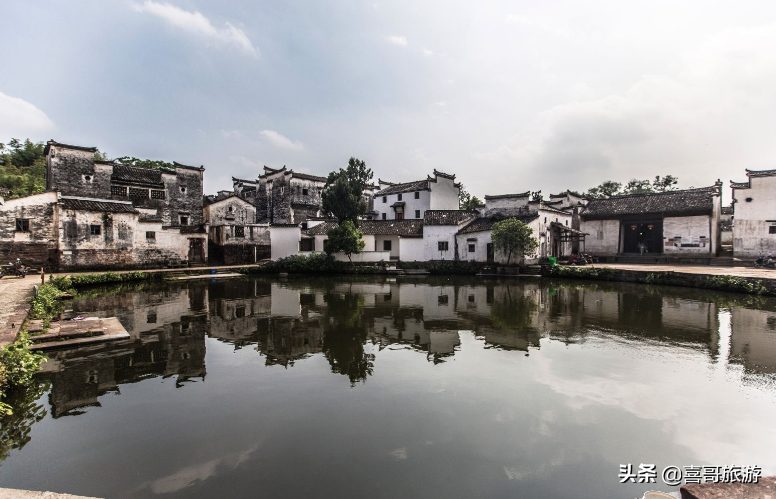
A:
x,y
603,236
751,236
364,257
284,241
432,235
444,194
423,203
394,244
691,230
411,249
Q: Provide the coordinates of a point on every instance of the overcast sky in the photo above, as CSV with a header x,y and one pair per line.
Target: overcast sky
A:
x,y
510,96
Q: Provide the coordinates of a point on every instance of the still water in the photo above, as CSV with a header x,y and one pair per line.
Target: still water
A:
x,y
408,387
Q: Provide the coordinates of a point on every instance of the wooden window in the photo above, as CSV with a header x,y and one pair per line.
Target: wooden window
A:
x,y
417,194
772,229
387,245
239,311
184,220
399,197
471,248
95,230
22,225
118,190
134,192
442,245
417,213
307,245
304,192
239,232
150,234
383,216
385,199
442,300
157,194
151,317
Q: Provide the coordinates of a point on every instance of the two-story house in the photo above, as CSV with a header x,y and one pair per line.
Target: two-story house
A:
x,y
410,200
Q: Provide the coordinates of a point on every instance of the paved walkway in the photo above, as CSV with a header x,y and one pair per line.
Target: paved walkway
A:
x,y
15,295
693,269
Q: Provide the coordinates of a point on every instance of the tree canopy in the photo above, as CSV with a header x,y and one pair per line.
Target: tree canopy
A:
x,y
22,167
467,202
634,186
511,236
343,195
346,238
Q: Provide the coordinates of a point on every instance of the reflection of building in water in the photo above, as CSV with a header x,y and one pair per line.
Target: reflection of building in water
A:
x,y
236,309
175,347
753,340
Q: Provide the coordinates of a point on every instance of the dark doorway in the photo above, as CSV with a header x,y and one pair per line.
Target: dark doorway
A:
x,y
196,251
489,250
649,232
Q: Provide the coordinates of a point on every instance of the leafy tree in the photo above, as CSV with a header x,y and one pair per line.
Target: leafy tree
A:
x,y
343,195
22,167
472,203
513,236
605,189
663,184
142,163
346,238
101,156
635,186
537,197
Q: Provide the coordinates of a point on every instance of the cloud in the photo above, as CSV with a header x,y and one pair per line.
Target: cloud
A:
x,y
21,119
281,141
400,41
199,25
231,134
427,52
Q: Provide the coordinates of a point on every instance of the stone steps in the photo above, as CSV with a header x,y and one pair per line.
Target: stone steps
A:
x,y
73,334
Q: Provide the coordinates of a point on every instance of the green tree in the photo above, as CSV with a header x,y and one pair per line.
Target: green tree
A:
x,y
343,195
513,236
663,184
472,204
605,189
635,186
345,238
101,156
537,197
22,167
143,163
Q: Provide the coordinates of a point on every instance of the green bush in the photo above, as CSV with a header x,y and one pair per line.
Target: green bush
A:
x,y
46,304
735,284
18,364
601,274
80,280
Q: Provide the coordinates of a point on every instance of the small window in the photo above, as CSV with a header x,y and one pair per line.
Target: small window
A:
x,y
239,311
772,229
22,225
748,200
383,216
157,195
138,193
231,209
471,298
304,192
471,248
386,245
417,194
545,219
417,213
150,234
442,300
151,317
184,220
385,199
183,190
442,245
88,179
118,190
307,245
399,197
239,232
95,230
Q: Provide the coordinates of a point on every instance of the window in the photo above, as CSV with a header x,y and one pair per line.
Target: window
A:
x,y
183,190
383,216
87,179
399,197
22,225
118,190
545,219
772,229
471,248
150,235
417,194
95,230
239,311
184,220
442,245
471,298
417,213
138,193
567,223
307,244
442,300
304,192
386,245
157,195
151,317
399,215
385,199
239,232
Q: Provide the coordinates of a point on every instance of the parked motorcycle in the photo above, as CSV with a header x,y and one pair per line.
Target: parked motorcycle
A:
x,y
764,262
18,268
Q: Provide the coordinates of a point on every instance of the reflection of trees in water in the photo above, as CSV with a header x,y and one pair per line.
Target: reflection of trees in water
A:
x,y
344,336
513,309
15,429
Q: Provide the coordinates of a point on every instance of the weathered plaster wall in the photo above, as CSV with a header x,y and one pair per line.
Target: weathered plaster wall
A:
x,y
433,235
394,251
184,196
230,211
603,238
444,194
423,203
67,171
411,249
506,203
285,241
38,247
687,235
753,218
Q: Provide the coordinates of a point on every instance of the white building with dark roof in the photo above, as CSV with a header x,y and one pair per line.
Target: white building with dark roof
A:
x,y
754,205
410,200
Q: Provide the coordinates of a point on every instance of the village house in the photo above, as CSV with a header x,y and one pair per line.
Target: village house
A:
x,y
410,200
439,233
681,223
234,237
97,214
754,229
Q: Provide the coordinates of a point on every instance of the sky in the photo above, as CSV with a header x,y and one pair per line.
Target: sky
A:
x,y
508,95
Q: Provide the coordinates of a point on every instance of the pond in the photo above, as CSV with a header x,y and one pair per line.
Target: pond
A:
x,y
397,387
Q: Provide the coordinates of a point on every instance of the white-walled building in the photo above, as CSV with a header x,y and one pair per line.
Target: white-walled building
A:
x,y
754,205
410,200
439,230
674,223
234,236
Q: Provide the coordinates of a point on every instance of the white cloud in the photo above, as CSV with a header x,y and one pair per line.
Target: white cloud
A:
x,y
20,119
427,52
231,134
197,24
281,141
401,41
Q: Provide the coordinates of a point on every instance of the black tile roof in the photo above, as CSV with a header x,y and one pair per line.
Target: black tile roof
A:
x,y
321,229
307,176
67,146
97,205
446,217
148,177
417,185
507,196
486,223
405,228
760,173
685,202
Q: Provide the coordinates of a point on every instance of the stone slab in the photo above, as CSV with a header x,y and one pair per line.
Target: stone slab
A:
x,y
30,494
73,334
209,276
764,489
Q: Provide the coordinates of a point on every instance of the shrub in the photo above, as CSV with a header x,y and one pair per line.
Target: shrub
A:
x,y
46,305
601,274
18,364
